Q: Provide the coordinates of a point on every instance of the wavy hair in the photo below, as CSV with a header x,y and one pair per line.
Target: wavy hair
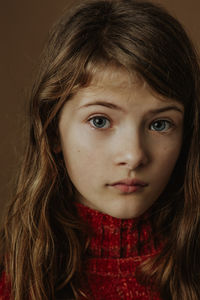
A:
x,y
43,241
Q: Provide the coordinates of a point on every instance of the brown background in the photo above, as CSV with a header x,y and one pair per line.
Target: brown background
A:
x,y
24,26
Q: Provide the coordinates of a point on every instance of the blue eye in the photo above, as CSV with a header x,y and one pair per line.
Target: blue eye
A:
x,y
160,125
100,122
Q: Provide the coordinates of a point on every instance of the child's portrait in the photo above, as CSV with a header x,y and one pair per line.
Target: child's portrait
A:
x,y
106,204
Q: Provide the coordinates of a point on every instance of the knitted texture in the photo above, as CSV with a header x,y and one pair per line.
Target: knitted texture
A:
x,y
112,256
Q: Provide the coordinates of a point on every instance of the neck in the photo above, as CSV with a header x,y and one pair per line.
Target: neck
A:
x,y
117,238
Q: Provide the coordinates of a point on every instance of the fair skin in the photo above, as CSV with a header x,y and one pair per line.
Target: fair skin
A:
x,y
116,129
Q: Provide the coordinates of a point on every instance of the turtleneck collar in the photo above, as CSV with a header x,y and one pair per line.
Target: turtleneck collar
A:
x,y
117,238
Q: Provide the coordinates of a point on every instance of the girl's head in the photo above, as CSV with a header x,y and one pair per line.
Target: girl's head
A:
x,y
118,129
119,52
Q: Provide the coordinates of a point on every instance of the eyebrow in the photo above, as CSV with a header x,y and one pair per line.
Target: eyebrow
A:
x,y
116,107
103,103
166,108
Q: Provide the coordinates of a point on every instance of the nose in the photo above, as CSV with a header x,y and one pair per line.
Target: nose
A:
x,y
131,150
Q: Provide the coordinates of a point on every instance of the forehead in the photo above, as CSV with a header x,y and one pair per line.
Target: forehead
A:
x,y
114,79
117,77
117,86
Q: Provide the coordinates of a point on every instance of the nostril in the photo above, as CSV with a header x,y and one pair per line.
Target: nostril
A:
x,y
134,163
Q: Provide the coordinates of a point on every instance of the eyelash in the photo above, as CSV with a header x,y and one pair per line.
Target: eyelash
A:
x,y
171,124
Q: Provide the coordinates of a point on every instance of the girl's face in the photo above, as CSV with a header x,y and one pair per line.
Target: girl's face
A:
x,y
120,143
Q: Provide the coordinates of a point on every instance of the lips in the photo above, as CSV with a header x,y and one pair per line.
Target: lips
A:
x,y
129,185
131,182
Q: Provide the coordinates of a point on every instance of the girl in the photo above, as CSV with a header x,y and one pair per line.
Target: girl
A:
x,y
107,201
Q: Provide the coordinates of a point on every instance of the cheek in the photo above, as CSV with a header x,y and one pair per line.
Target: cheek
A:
x,y
82,158
167,157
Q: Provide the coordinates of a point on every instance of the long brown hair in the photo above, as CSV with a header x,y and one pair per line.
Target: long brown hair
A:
x,y
43,241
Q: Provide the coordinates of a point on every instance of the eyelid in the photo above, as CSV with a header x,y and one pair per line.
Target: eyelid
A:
x,y
163,119
99,115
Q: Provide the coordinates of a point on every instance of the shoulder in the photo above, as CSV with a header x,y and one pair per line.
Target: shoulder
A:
x,y
4,287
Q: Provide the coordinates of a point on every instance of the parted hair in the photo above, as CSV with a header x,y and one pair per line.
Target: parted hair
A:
x,y
42,240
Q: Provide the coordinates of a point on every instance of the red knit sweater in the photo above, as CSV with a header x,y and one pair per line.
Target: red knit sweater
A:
x,y
112,257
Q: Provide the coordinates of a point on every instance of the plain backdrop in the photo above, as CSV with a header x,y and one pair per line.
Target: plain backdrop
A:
x,y
24,26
